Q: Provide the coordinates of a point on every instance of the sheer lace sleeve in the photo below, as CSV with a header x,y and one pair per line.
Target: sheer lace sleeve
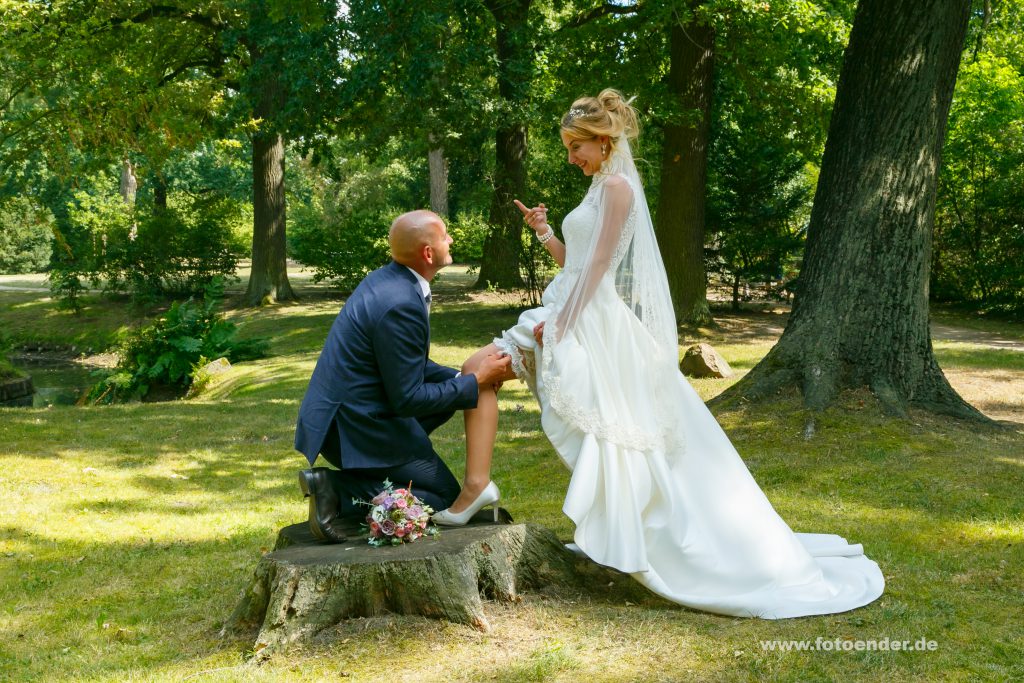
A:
x,y
607,245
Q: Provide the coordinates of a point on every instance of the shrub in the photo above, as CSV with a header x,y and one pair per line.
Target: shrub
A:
x,y
468,230
167,353
144,251
340,228
346,250
6,369
26,232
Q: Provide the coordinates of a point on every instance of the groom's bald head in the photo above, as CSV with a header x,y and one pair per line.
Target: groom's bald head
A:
x,y
410,232
413,231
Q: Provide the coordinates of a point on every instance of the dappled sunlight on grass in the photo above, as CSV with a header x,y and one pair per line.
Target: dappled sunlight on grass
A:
x,y
127,531
957,354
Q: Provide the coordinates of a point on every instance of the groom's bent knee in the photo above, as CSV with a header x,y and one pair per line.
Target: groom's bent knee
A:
x,y
431,422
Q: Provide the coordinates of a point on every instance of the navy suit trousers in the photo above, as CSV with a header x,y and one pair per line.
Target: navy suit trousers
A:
x,y
432,481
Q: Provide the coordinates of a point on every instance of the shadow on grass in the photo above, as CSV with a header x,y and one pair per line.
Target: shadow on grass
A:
x,y
131,601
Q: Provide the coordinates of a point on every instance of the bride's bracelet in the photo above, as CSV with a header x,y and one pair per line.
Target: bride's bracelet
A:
x,y
543,239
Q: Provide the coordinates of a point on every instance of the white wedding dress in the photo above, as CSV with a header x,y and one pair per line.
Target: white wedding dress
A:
x,y
657,490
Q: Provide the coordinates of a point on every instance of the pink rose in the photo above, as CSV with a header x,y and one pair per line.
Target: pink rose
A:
x,y
401,502
400,531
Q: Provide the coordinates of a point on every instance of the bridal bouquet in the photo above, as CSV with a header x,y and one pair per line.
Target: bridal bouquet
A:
x,y
396,517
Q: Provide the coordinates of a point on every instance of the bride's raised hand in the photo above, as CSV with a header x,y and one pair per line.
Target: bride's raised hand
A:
x,y
536,218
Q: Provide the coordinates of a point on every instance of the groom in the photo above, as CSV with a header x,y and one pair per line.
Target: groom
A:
x,y
375,396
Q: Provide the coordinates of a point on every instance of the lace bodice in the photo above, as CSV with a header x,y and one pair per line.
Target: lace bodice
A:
x,y
580,223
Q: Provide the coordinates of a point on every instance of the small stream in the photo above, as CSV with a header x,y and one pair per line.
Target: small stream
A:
x,y
57,382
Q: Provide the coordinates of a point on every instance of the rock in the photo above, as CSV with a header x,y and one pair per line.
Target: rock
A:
x,y
203,375
701,360
303,586
215,367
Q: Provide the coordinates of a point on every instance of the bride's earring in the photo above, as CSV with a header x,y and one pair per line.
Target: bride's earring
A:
x,y
604,150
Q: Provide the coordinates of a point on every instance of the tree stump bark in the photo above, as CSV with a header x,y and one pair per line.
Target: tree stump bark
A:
x,y
303,586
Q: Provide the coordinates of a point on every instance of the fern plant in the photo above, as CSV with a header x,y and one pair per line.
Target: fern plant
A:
x,y
167,353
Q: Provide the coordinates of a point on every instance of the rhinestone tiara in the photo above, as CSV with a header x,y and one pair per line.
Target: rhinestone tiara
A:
x,y
575,113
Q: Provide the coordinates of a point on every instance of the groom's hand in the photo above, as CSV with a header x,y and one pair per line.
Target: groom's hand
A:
x,y
493,370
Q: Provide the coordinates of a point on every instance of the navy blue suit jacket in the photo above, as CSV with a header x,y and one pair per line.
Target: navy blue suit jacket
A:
x,y
374,376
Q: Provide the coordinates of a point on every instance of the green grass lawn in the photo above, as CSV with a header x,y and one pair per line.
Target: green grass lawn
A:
x,y
127,532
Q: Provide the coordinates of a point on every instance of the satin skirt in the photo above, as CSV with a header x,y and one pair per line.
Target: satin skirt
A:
x,y
683,517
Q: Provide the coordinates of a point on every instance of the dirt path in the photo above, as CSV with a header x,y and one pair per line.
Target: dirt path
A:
x,y
758,327
998,393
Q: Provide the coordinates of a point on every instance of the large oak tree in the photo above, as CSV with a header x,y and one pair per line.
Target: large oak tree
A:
x,y
860,315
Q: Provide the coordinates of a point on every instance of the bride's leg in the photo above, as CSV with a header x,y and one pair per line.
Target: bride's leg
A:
x,y
481,431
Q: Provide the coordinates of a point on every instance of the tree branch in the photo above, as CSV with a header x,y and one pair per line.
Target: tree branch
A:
x,y
16,90
215,66
172,12
600,11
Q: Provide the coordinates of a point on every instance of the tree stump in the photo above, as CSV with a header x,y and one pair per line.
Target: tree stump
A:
x,y
304,586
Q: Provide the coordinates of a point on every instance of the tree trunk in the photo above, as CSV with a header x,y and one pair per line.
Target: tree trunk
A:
x,y
860,316
438,178
268,279
501,252
304,587
129,183
159,193
684,162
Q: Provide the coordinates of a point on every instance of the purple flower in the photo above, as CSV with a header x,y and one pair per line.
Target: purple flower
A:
x,y
388,527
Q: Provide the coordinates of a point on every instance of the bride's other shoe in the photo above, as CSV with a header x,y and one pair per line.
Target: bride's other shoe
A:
x,y
489,496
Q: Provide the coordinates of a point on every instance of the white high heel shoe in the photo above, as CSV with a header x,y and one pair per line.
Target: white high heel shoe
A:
x,y
489,496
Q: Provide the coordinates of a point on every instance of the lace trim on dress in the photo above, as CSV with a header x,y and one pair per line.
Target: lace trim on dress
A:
x,y
668,438
515,353
523,361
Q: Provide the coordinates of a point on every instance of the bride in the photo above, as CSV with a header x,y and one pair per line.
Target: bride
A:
x,y
657,490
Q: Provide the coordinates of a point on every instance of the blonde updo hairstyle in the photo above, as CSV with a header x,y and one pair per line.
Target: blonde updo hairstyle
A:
x,y
607,114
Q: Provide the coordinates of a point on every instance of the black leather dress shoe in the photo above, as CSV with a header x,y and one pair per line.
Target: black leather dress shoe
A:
x,y
323,504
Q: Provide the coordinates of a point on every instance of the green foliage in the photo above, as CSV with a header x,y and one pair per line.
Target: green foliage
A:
x,y
144,250
345,250
168,353
468,230
6,369
979,227
26,232
341,229
759,199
